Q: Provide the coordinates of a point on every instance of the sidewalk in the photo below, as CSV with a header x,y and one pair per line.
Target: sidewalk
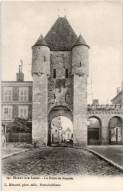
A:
x,y
113,153
12,149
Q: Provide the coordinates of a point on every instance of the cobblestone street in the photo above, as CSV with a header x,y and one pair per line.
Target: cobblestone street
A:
x,y
58,160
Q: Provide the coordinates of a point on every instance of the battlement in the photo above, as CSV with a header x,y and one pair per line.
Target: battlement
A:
x,y
105,107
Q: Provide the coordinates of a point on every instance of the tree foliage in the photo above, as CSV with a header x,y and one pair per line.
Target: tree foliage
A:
x,y
20,125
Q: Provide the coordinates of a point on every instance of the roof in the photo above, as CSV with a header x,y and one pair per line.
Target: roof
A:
x,y
40,41
61,36
118,95
16,82
80,41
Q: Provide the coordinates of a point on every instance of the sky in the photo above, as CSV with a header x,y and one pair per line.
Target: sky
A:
x,y
99,22
66,123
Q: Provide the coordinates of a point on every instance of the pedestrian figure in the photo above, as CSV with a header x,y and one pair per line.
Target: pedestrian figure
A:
x,y
3,139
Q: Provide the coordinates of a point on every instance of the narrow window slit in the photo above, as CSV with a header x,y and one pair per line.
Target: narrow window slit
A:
x,y
66,73
54,73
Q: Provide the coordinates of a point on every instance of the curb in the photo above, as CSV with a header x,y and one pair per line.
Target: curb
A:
x,y
102,157
15,153
106,159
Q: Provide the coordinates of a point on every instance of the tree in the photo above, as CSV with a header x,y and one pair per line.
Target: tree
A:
x,y
20,125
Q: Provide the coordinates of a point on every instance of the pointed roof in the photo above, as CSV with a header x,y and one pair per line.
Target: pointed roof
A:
x,y
80,41
61,36
41,41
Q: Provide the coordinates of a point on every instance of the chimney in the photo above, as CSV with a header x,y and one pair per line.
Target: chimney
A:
x,y
118,90
95,101
20,75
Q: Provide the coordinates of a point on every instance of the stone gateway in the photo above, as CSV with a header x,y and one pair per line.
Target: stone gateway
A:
x,y
60,71
59,88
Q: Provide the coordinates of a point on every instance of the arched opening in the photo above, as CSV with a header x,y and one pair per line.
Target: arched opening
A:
x,y
60,131
94,131
115,130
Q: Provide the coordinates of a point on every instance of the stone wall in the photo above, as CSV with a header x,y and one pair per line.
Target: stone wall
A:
x,y
80,74
80,111
60,89
39,109
80,60
104,116
40,72
41,60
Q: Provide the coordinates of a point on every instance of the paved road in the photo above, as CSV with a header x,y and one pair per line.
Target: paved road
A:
x,y
112,152
54,161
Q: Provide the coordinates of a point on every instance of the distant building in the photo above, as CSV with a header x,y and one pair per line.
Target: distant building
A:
x,y
16,99
95,101
58,134
118,99
56,130
68,134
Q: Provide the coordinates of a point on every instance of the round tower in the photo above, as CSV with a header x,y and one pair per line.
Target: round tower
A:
x,y
40,72
80,57
80,73
41,57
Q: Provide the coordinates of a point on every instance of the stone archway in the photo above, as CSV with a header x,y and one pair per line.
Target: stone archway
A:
x,y
94,130
55,112
116,130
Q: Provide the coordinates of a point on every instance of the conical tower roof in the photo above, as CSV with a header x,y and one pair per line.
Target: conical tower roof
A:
x,y
61,36
41,41
80,41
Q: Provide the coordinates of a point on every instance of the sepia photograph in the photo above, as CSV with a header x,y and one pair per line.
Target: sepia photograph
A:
x,y
62,95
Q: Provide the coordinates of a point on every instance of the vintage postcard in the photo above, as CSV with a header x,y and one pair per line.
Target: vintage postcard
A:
x,y
62,95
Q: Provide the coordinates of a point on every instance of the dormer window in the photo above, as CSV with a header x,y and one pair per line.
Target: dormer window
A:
x,y
66,73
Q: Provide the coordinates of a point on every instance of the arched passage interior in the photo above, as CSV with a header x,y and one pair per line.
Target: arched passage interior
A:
x,y
94,131
115,130
58,118
61,131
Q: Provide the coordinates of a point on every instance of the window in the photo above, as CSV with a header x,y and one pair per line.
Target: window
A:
x,y
80,64
7,112
23,111
54,73
66,73
8,94
23,94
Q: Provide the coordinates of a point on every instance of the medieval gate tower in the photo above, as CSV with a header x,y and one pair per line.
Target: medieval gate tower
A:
x,y
60,71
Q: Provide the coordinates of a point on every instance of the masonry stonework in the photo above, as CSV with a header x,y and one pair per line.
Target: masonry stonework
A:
x,y
104,113
80,74
40,72
60,88
60,71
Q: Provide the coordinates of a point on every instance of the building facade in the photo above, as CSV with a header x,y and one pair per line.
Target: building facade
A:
x,y
118,99
16,99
